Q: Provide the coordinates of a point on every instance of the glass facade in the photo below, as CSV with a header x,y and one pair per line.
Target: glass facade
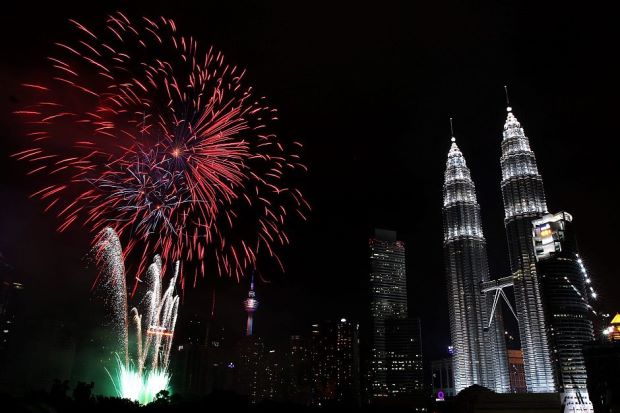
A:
x,y
564,283
524,201
479,353
395,365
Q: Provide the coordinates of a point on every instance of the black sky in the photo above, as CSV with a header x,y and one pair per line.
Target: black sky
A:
x,y
369,90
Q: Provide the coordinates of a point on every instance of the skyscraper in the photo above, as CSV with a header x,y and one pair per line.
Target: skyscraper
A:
x,y
524,201
395,349
300,379
250,352
479,350
564,284
334,354
403,343
603,364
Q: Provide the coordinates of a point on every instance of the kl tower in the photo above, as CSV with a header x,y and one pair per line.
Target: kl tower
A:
x,y
250,305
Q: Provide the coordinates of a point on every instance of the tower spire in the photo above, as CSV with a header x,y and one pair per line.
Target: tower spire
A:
x,y
508,107
452,138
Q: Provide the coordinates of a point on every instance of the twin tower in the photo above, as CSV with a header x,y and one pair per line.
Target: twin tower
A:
x,y
477,332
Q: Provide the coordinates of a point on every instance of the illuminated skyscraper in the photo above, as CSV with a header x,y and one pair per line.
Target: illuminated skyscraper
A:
x,y
565,289
524,201
479,349
395,364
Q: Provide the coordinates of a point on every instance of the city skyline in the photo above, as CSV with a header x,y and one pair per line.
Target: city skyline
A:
x,y
372,110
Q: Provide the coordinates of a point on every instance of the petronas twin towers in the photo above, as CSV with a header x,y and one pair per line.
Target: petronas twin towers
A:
x,y
479,346
480,353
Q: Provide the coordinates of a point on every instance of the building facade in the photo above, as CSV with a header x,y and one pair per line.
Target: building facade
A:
x,y
443,378
299,389
516,371
395,353
335,363
603,364
479,345
565,290
524,201
250,354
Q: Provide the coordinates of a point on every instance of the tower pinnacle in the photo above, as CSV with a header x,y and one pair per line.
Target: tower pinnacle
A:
x,y
452,138
508,107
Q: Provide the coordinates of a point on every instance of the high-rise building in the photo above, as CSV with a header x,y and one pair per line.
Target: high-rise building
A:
x,y
403,344
479,346
395,353
299,370
203,358
272,376
221,359
565,290
603,364
335,363
250,353
191,364
524,201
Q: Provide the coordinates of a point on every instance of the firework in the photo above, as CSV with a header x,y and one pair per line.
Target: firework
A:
x,y
139,131
141,370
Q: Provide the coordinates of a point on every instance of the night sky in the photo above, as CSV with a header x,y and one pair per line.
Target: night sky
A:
x,y
369,91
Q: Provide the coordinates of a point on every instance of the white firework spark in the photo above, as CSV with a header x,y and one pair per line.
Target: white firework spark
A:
x,y
141,371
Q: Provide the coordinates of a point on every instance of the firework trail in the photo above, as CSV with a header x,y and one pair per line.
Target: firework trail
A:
x,y
141,372
139,131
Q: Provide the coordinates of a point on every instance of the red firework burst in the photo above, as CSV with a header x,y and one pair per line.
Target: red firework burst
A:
x,y
141,132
